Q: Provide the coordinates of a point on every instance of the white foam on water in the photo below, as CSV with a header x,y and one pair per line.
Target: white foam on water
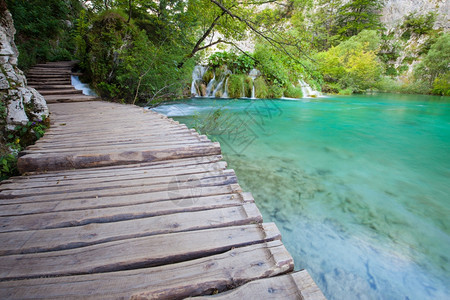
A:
x,y
78,85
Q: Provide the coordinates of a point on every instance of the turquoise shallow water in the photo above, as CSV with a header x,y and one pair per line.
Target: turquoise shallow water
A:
x,y
359,186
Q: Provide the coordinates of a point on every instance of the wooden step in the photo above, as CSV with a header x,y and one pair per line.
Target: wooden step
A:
x,y
61,161
65,238
293,286
65,64
51,86
69,98
50,82
39,72
61,92
148,251
47,76
176,281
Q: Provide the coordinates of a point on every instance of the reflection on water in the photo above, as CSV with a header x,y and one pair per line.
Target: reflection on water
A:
x,y
357,185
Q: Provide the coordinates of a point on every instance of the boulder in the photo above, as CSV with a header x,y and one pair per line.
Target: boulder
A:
x,y
22,103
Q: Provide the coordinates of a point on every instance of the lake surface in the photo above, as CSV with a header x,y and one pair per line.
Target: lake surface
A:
x,y
359,186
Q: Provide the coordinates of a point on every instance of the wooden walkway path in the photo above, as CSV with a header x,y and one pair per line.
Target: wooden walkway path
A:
x,y
116,202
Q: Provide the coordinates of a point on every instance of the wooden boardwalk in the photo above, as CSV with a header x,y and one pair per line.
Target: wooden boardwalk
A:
x,y
116,202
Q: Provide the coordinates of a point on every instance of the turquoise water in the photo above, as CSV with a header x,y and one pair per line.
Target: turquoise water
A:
x,y
359,186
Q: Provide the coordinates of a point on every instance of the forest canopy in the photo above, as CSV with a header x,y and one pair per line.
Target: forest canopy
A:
x,y
144,51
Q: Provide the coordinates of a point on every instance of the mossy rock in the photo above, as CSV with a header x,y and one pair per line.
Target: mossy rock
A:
x,y
261,88
293,92
235,85
208,76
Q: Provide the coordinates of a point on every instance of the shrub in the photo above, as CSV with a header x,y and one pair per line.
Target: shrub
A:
x,y
346,92
235,86
419,24
275,91
43,32
261,88
293,92
248,86
441,85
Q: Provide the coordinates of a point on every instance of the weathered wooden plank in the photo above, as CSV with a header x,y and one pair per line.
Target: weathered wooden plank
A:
x,y
140,252
149,144
119,175
196,277
27,216
69,129
74,237
194,184
70,98
191,162
39,162
50,86
156,133
178,180
56,92
293,286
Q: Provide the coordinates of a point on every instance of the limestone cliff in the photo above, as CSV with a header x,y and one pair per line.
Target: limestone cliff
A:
x,y
18,103
394,11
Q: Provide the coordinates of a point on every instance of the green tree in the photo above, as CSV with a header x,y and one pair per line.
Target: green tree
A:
x,y
357,15
437,61
353,63
43,29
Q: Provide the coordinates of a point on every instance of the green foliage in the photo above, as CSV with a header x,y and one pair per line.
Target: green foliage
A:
x,y
8,166
356,16
441,85
208,76
419,24
293,92
435,63
352,63
275,91
43,29
218,59
241,64
272,65
261,88
124,65
391,71
236,85
346,92
248,86
15,140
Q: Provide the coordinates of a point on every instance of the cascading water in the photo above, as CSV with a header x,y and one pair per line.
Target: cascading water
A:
x,y
78,85
210,87
253,74
197,76
307,91
225,93
218,85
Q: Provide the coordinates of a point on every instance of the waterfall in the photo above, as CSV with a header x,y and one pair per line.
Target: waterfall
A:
x,y
197,76
253,74
225,93
78,85
307,91
210,86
